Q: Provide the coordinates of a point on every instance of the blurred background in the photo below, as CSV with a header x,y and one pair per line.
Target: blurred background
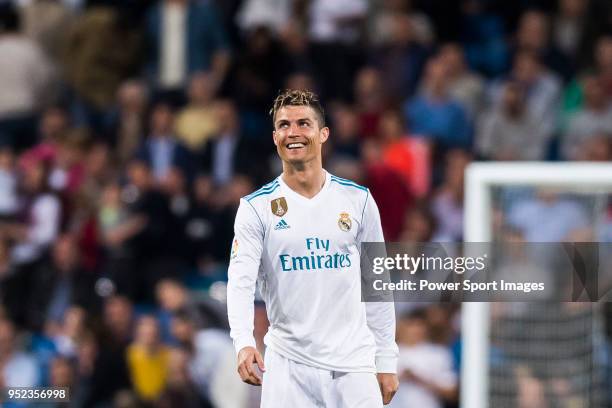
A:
x,y
130,129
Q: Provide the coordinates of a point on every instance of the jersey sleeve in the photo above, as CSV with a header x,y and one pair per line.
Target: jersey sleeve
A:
x,y
380,315
245,259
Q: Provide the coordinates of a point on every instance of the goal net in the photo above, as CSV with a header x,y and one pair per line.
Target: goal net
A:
x,y
536,354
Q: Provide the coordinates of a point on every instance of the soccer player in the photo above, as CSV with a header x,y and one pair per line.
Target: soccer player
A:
x,y
299,238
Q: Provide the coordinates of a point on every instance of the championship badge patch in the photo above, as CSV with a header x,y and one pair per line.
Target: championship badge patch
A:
x,y
345,222
279,206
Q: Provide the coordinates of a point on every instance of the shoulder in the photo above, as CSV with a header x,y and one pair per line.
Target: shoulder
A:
x,y
260,194
349,188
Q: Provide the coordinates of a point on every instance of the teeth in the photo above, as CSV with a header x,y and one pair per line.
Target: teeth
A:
x,y
295,145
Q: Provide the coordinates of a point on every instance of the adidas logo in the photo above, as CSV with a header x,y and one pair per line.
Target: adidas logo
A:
x,y
282,224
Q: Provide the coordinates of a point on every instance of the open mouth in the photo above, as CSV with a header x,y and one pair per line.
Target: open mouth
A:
x,y
295,145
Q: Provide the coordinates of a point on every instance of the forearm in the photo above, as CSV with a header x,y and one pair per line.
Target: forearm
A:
x,y
240,308
381,321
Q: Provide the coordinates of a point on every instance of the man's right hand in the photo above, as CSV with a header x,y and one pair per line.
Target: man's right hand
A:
x,y
247,358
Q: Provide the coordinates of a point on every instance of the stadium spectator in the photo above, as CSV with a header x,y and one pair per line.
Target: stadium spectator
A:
x,y
212,362
408,156
447,203
334,29
38,221
47,23
275,16
547,217
603,62
24,80
197,123
465,86
400,58
59,284
17,368
148,359
94,65
180,390
382,22
419,224
185,37
534,35
8,183
162,150
510,131
387,187
229,152
126,123
345,145
596,148
370,101
427,378
595,117
433,114
542,88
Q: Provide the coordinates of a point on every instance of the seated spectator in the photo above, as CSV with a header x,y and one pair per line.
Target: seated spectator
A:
x,y
382,25
465,86
419,224
483,35
447,203
510,131
387,187
38,222
603,62
534,35
542,88
103,49
212,362
185,37
596,148
425,369
547,217
400,58
229,152
197,122
162,150
409,156
59,284
434,114
345,143
17,368
125,125
370,101
148,360
181,390
574,27
8,183
261,13
595,117
24,77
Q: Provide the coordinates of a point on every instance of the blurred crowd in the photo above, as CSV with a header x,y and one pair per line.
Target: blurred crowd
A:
x,y
129,130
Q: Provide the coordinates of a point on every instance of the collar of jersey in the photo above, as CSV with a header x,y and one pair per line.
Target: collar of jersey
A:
x,y
302,198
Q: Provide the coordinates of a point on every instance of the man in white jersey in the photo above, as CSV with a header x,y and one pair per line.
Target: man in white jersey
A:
x,y
299,237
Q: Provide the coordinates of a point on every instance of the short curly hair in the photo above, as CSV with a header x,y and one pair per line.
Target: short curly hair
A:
x,y
296,97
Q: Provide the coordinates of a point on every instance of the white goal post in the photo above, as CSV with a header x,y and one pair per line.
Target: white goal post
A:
x,y
479,180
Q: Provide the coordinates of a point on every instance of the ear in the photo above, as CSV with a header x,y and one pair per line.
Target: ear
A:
x,y
324,134
274,138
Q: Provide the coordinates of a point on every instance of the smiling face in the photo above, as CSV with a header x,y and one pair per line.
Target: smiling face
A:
x,y
297,134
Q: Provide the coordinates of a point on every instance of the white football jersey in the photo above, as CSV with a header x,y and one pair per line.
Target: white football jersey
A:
x,y
304,254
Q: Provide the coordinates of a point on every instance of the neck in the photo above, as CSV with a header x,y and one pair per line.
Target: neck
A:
x,y
306,179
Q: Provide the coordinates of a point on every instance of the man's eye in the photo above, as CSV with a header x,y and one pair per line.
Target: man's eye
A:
x,y
283,125
304,124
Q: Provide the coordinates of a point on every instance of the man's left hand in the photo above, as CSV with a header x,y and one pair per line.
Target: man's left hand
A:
x,y
388,386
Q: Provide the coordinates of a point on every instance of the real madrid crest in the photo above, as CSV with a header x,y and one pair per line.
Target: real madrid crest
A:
x,y
279,206
345,222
